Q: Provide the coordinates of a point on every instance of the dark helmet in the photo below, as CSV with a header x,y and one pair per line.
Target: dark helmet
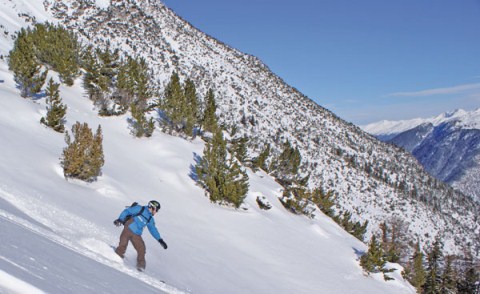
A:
x,y
154,204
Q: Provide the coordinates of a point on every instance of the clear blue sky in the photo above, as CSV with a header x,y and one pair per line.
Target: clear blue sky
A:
x,y
364,60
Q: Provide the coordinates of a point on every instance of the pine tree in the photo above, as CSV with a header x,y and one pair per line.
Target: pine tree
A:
x,y
285,167
46,44
294,199
56,110
110,61
180,106
141,127
67,63
59,48
324,201
83,157
92,79
417,277
359,230
133,83
469,281
239,148
191,108
346,222
394,239
469,276
23,62
372,261
432,282
96,155
211,168
101,70
173,103
125,85
142,78
261,160
209,120
220,174
448,279
236,184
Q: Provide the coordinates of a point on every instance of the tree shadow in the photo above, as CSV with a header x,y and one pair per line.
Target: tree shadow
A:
x,y
162,117
193,171
358,252
39,96
131,124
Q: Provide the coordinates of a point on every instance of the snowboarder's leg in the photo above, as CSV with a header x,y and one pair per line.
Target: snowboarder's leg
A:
x,y
139,245
124,238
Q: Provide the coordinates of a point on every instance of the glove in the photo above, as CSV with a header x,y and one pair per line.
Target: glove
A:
x,y
117,222
164,245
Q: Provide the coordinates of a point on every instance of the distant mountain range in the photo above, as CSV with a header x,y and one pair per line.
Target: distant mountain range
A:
x,y
448,145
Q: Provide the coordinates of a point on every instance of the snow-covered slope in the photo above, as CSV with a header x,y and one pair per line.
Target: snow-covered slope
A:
x,y
57,234
448,146
373,180
365,173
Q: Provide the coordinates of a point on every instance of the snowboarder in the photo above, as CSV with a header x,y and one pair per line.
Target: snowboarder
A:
x,y
134,219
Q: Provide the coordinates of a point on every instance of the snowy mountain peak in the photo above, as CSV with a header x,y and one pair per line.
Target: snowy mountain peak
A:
x,y
456,112
462,118
447,145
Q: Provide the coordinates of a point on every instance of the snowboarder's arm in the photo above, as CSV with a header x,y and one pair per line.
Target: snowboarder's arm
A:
x,y
155,234
153,230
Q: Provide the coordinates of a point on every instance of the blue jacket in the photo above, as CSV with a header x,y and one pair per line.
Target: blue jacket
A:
x,y
140,221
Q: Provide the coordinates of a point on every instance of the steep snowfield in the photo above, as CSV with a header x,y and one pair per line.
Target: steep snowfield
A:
x,y
57,234
363,172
